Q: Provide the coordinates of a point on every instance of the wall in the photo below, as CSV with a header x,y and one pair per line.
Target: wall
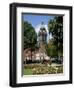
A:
x,y
4,43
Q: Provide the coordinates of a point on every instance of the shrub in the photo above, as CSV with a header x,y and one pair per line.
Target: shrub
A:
x,y
60,69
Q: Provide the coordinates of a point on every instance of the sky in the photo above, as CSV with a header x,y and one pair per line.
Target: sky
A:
x,y
36,19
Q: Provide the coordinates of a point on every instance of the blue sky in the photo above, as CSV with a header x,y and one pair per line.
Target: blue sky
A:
x,y
36,19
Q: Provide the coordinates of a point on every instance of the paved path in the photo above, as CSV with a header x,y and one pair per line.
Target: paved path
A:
x,y
54,64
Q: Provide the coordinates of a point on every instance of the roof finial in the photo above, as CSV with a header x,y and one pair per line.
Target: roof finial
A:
x,y
42,22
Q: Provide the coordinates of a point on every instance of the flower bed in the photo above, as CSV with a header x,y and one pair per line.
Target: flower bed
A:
x,y
43,69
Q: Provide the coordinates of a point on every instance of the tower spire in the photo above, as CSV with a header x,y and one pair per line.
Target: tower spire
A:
x,y
42,23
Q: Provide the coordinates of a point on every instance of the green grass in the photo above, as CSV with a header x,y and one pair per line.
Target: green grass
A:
x,y
27,72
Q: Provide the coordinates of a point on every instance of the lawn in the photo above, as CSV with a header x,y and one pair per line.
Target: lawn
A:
x,y
27,71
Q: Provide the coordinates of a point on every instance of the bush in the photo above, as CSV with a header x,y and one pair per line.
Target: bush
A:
x,y
60,69
44,70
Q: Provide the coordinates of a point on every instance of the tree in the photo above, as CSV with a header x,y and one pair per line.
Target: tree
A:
x,y
30,36
55,27
51,49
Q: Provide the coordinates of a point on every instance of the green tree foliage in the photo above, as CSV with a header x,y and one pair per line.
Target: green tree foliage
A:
x,y
55,27
51,49
30,36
